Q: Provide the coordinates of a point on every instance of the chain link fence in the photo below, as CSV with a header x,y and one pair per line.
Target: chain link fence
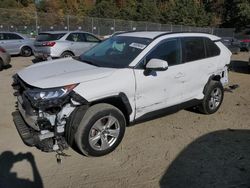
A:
x,y
31,23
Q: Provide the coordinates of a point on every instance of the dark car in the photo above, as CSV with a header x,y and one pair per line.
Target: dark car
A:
x,y
244,38
232,44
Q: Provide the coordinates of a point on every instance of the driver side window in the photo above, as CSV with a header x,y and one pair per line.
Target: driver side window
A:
x,y
168,50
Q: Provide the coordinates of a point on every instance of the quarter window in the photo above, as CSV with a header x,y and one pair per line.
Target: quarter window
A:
x,y
168,51
211,48
90,38
193,49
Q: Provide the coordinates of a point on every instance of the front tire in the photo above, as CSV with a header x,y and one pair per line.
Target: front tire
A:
x,y
26,51
101,130
214,94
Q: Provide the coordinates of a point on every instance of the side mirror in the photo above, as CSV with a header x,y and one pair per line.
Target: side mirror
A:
x,y
157,65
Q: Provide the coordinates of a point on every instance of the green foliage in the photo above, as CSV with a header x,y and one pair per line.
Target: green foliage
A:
x,y
237,14
228,13
104,9
186,13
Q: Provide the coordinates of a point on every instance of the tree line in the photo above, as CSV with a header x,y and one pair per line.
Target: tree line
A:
x,y
224,13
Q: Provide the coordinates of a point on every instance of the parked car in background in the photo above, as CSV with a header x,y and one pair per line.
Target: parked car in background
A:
x,y
56,44
232,44
4,58
244,38
245,44
16,43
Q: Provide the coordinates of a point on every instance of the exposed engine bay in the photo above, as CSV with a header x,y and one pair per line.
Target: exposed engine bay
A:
x,y
43,114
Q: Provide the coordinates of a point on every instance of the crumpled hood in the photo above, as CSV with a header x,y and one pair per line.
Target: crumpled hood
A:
x,y
61,72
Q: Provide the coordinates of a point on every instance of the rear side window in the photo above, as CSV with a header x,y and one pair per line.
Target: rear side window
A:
x,y
91,38
11,36
49,36
76,37
211,48
193,49
168,50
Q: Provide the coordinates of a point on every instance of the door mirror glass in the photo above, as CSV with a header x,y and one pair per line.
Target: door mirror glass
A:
x,y
157,65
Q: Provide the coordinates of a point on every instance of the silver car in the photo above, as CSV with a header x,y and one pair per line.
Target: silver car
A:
x,y
16,43
56,44
4,58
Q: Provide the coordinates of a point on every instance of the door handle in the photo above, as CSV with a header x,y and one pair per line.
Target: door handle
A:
x,y
179,75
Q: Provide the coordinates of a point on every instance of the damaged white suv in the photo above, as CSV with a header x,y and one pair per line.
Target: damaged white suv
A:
x,y
89,100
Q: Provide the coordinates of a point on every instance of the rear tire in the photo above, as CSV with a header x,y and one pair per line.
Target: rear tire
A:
x,y
214,94
1,64
67,54
101,130
26,51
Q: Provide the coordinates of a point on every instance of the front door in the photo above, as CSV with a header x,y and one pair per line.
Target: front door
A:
x,y
160,89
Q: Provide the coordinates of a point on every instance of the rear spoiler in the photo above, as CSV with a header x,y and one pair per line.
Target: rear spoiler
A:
x,y
218,40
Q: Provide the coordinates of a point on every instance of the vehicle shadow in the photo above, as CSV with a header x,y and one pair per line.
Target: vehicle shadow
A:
x,y
10,179
36,60
219,159
240,67
7,67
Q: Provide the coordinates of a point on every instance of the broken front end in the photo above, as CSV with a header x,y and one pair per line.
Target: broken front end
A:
x,y
44,116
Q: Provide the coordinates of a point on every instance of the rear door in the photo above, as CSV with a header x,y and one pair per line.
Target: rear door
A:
x,y
198,66
77,43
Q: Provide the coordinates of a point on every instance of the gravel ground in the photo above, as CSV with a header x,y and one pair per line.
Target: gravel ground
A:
x,y
184,149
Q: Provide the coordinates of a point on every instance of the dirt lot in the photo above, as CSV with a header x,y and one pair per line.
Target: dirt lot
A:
x,y
185,149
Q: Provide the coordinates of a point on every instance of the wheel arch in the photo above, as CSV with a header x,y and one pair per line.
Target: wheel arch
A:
x,y
28,46
211,78
67,51
120,101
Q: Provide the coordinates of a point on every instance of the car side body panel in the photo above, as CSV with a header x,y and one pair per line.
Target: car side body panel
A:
x,y
121,81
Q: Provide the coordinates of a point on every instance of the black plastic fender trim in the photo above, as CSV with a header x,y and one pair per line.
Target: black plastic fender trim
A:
x,y
126,102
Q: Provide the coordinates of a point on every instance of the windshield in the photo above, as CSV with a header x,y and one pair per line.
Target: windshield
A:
x,y
116,52
49,37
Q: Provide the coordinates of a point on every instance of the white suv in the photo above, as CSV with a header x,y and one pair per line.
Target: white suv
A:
x,y
91,99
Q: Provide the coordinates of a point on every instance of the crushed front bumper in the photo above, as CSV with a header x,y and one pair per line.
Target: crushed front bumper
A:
x,y
33,138
28,135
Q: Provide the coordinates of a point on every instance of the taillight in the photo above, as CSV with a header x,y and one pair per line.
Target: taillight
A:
x,y
49,44
2,50
245,40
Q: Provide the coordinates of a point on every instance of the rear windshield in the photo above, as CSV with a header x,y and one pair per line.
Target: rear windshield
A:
x,y
49,36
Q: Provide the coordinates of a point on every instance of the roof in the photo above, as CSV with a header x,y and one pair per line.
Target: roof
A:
x,y
156,34
143,34
54,32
